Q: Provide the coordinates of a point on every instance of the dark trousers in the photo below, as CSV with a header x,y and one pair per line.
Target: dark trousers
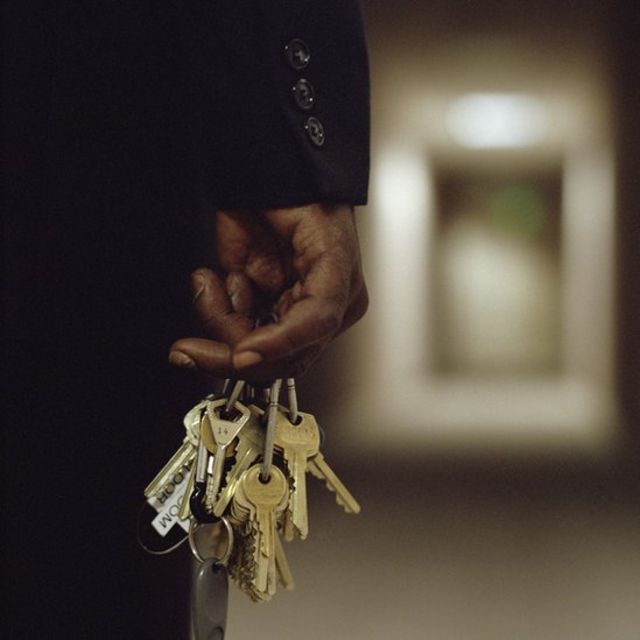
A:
x,y
94,410
102,229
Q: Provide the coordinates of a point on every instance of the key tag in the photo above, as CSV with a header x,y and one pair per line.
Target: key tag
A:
x,y
151,540
209,601
160,529
211,545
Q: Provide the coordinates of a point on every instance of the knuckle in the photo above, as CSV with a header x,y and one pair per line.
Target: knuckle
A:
x,y
266,272
211,324
292,342
217,320
361,304
329,320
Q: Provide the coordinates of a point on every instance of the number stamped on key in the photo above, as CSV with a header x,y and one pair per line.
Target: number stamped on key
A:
x,y
225,430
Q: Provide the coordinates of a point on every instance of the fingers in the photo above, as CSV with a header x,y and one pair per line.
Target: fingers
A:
x,y
356,309
289,348
205,355
241,293
319,245
215,358
290,367
224,314
309,321
329,296
246,244
285,349
313,311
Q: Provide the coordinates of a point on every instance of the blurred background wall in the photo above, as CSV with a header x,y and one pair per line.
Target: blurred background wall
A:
x,y
486,410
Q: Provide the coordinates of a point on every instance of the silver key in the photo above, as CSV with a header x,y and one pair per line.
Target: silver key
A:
x,y
224,432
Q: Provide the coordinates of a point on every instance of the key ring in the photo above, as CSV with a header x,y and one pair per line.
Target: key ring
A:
x,y
294,418
195,525
234,396
147,548
272,412
225,387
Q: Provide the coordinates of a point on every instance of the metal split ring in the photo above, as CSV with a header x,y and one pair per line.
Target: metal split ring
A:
x,y
234,395
293,400
193,543
272,414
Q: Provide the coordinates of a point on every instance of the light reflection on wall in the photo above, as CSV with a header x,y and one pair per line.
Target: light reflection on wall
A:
x,y
403,189
491,120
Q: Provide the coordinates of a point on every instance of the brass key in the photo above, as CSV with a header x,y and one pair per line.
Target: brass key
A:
x,y
319,468
265,501
184,456
298,442
282,566
185,509
193,417
250,446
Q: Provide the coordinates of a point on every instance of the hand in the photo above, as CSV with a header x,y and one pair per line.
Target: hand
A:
x,y
304,264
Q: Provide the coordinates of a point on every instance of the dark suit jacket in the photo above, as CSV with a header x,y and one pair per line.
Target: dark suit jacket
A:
x,y
123,122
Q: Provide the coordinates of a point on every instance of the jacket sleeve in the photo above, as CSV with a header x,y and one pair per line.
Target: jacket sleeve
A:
x,y
283,89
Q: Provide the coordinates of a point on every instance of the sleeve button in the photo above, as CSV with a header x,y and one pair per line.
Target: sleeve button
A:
x,y
303,94
315,131
298,54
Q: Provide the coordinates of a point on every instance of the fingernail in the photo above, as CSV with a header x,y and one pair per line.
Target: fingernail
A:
x,y
233,288
246,359
233,295
197,280
181,360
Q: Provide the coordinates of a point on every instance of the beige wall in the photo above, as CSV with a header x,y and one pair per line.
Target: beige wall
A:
x,y
495,506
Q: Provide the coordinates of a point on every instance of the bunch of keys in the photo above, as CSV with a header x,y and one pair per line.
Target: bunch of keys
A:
x,y
237,485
